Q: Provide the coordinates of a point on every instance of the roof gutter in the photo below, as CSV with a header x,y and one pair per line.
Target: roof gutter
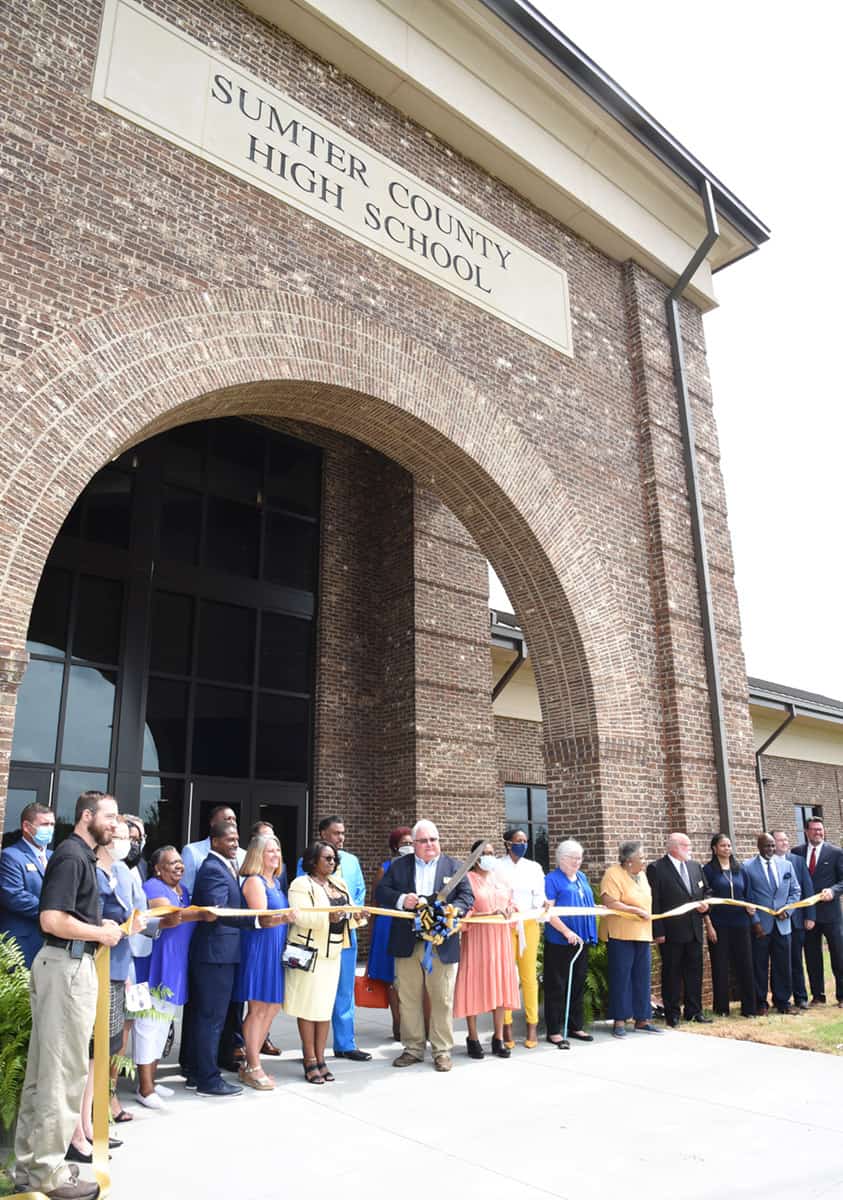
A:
x,y
689,454
531,25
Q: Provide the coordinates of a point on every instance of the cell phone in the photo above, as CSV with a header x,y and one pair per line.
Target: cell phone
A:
x,y
77,948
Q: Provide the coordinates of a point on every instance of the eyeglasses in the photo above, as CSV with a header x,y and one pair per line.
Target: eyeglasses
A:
x,y
425,841
328,858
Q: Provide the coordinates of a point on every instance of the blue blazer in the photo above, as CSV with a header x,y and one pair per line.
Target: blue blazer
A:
x,y
806,887
217,941
400,879
21,879
828,873
759,892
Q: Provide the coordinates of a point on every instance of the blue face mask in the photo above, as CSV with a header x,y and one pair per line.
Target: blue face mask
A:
x,y
519,849
43,835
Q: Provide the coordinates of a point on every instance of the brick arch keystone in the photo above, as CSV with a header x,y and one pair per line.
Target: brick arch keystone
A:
x,y
135,371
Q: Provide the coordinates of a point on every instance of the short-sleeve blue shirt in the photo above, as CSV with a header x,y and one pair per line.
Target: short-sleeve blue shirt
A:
x,y
570,893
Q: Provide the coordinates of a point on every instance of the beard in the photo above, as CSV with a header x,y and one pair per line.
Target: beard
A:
x,y
101,834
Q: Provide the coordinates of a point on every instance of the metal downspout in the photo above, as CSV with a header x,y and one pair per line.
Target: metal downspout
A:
x,y
686,421
762,795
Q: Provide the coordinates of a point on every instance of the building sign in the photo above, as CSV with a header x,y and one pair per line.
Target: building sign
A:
x,y
156,76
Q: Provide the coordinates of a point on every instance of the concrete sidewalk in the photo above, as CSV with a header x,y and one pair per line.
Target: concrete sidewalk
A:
x,y
673,1115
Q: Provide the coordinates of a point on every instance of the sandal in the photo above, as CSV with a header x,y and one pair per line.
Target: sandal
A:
x,y
312,1073
121,1116
256,1077
327,1077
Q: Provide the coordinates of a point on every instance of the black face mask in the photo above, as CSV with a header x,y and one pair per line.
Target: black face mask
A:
x,y
134,855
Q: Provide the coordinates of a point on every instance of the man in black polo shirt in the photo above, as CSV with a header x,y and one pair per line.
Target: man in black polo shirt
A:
x,y
63,994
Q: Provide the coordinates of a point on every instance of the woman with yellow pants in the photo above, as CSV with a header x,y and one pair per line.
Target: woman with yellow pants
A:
x,y
526,878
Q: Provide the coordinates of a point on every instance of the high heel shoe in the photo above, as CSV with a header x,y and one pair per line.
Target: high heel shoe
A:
x,y
475,1050
499,1049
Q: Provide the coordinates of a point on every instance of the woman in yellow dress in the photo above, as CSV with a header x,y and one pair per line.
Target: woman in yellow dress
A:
x,y
318,937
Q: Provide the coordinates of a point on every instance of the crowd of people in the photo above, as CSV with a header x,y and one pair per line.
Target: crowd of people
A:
x,y
228,975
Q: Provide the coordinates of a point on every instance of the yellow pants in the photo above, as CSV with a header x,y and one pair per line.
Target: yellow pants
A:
x,y
526,964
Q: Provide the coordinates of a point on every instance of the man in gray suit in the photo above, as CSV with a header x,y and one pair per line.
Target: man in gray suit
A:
x,y
771,884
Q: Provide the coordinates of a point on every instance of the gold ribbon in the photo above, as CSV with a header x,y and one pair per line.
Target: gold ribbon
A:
x,y
536,914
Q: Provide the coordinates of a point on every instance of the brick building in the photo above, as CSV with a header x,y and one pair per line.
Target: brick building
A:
x,y
302,323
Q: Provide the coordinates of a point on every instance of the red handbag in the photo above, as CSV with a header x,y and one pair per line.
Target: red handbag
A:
x,y
370,993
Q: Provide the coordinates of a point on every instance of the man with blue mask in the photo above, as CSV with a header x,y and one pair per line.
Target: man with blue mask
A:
x,y
22,867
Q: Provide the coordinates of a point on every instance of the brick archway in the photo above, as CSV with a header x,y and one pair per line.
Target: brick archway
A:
x,y
136,371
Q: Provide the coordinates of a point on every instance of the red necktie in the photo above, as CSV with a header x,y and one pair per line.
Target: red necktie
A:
x,y
812,864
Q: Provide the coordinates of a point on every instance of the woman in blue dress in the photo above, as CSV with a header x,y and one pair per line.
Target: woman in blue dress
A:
x,y
260,975
381,964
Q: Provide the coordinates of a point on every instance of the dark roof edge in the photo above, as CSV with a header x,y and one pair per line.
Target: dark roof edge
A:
x,y
535,28
806,702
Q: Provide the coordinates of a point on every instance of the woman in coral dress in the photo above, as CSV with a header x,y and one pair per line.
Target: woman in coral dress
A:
x,y
487,980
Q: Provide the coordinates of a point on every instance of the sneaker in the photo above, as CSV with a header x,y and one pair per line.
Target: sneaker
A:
x,y
190,1083
74,1188
442,1062
163,1091
151,1101
220,1088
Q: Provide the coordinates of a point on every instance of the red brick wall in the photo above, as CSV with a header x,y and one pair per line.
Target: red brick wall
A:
x,y
792,781
519,747
143,287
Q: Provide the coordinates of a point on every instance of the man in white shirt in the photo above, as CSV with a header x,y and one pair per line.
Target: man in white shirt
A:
x,y
526,878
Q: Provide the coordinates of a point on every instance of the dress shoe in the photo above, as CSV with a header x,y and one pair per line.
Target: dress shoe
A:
x,y
442,1062
803,1004
354,1055
702,1019
499,1049
817,1000
671,1022
269,1047
220,1088
74,1188
76,1156
580,1035
190,1083
406,1060
475,1050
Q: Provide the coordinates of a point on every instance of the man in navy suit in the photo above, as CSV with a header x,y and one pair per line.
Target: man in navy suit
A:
x,y
214,955
772,884
410,879
801,919
825,867
22,867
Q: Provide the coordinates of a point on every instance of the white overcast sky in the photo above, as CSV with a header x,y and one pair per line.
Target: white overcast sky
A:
x,y
752,90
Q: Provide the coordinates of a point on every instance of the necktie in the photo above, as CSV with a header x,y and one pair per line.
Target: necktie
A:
x,y
42,858
771,871
683,871
812,862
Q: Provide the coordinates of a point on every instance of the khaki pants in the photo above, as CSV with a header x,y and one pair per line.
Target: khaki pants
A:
x,y
526,964
63,995
412,981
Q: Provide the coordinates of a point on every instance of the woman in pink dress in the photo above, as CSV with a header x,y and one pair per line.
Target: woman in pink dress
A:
x,y
487,980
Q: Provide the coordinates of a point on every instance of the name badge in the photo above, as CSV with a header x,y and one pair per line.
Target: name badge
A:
x,y
31,867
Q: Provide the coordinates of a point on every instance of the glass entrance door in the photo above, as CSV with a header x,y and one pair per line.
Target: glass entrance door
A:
x,y
172,637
